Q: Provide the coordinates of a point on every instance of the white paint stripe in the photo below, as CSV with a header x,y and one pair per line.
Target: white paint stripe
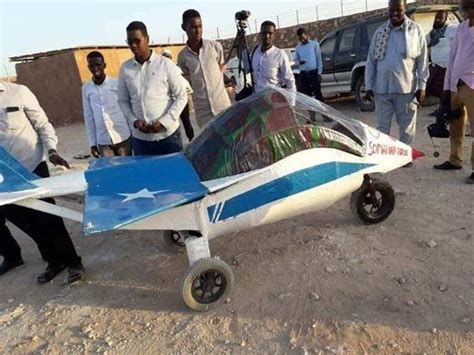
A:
x,y
214,213
220,211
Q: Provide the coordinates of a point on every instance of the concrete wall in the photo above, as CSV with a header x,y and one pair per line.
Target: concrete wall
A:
x,y
56,80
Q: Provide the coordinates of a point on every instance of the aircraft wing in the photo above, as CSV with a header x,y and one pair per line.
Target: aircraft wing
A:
x,y
123,190
16,181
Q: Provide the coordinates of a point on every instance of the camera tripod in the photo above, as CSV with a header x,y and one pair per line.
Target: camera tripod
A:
x,y
241,48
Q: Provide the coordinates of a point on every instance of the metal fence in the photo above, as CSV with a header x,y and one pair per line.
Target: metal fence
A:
x,y
296,17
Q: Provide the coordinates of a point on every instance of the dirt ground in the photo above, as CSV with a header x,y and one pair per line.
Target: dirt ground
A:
x,y
319,283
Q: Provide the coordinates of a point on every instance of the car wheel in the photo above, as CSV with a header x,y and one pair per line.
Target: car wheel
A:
x,y
365,105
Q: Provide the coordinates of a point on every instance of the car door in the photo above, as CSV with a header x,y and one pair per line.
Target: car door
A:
x,y
328,44
346,56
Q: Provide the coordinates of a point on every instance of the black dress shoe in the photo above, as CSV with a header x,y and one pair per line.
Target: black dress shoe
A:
x,y
75,274
10,265
470,180
447,165
50,273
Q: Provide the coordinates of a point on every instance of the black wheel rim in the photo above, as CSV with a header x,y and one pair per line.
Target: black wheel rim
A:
x,y
374,206
209,286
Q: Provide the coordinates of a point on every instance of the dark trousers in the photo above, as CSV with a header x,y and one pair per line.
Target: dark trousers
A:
x,y
188,127
310,85
171,144
435,84
48,231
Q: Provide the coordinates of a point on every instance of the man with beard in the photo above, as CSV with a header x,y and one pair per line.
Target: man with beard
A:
x,y
439,45
397,71
271,65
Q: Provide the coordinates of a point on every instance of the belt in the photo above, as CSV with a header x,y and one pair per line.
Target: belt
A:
x,y
308,71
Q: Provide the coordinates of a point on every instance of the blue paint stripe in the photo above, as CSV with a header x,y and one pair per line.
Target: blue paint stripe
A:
x,y
285,186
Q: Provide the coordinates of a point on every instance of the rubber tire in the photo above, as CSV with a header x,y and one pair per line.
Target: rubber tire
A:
x,y
360,101
388,198
194,271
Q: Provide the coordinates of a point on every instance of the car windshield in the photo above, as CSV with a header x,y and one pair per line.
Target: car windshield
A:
x,y
267,127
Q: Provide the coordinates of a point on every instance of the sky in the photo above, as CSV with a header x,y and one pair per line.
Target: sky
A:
x,y
36,26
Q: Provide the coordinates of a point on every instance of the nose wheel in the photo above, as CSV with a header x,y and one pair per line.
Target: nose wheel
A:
x,y
373,202
207,283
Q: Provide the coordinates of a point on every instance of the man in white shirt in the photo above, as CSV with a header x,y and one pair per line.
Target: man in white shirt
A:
x,y
439,45
26,133
152,94
107,129
271,66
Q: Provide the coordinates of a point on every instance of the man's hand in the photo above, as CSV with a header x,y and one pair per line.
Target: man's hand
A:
x,y
420,95
446,97
56,160
320,78
369,95
141,125
95,151
155,127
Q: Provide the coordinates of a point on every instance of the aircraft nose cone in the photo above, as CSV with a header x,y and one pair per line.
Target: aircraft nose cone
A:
x,y
415,154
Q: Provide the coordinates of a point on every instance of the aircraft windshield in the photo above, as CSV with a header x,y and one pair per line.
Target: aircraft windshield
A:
x,y
267,127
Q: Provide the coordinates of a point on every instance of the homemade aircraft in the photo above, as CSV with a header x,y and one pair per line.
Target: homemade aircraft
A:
x,y
272,156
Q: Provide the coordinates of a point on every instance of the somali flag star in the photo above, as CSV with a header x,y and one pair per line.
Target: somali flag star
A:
x,y
143,193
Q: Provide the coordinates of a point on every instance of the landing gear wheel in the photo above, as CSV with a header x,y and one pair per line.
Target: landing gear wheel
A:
x,y
207,282
373,202
174,239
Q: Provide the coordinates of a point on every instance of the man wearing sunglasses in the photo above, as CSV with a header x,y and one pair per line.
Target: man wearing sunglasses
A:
x,y
152,94
459,90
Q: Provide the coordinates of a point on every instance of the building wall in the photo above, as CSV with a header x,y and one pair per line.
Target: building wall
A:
x,y
56,80
114,57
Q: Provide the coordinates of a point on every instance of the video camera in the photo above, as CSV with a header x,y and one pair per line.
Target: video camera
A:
x,y
242,15
444,117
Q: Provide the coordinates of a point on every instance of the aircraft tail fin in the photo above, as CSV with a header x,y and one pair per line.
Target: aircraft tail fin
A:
x,y
15,180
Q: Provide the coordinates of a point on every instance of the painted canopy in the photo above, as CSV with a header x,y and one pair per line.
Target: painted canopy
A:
x,y
267,127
